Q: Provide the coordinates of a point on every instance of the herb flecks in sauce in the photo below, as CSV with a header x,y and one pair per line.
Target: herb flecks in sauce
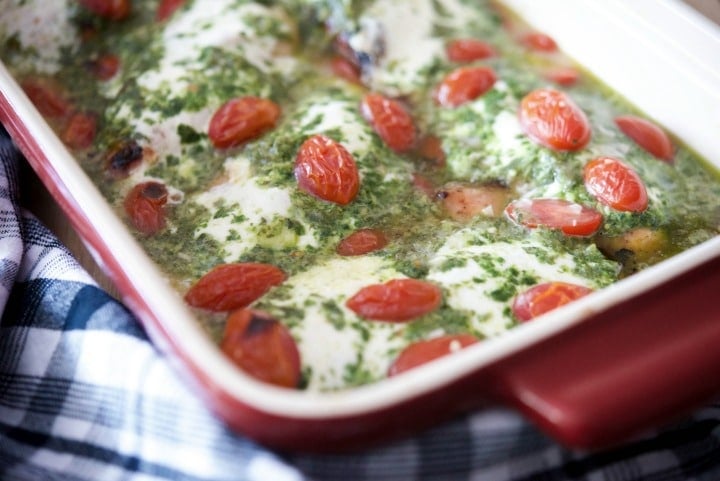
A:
x,y
242,204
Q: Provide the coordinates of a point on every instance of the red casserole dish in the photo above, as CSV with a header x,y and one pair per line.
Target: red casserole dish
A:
x,y
605,368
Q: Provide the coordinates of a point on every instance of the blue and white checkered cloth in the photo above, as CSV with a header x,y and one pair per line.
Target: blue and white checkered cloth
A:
x,y
85,396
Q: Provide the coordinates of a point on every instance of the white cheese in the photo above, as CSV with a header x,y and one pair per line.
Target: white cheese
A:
x,y
338,114
42,27
329,350
485,270
250,206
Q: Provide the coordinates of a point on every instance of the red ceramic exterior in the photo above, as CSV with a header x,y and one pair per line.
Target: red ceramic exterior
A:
x,y
636,366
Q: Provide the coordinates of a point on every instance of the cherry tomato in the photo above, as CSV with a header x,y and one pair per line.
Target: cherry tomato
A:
x,y
232,286
647,135
262,347
463,85
466,201
539,42
325,169
80,131
110,9
565,76
390,120
105,66
552,119
145,205
468,50
615,184
166,8
123,158
48,97
424,185
345,69
570,218
545,297
428,350
397,300
242,119
430,148
361,242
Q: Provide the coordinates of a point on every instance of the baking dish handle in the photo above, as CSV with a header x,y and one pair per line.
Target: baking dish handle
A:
x,y
634,367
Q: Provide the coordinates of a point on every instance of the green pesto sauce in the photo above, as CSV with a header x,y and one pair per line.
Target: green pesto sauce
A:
x,y
684,204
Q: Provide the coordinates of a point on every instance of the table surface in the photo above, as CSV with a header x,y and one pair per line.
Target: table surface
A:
x,y
39,201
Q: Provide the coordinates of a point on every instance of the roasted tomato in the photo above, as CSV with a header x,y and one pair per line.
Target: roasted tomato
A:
x,y
242,119
345,69
110,9
325,169
390,120
615,184
105,66
647,135
166,8
422,352
463,85
468,50
552,119
565,76
466,201
123,158
361,242
48,97
539,42
545,297
262,347
233,286
145,205
568,217
396,300
430,148
80,130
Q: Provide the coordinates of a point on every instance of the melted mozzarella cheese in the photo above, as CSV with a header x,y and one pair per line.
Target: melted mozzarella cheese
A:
x,y
341,115
485,271
250,206
330,349
40,26
220,24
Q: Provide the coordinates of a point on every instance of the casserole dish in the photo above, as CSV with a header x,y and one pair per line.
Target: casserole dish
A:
x,y
626,322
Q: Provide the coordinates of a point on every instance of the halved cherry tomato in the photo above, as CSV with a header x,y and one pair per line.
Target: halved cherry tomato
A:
x,y
647,135
397,300
468,50
545,297
570,218
105,66
80,131
615,184
232,286
123,158
463,85
361,242
551,118
48,97
466,201
110,9
325,169
345,69
565,76
262,347
166,8
539,42
390,120
242,119
145,205
428,350
430,148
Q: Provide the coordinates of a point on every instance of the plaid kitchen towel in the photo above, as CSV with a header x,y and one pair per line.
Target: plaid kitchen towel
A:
x,y
85,396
